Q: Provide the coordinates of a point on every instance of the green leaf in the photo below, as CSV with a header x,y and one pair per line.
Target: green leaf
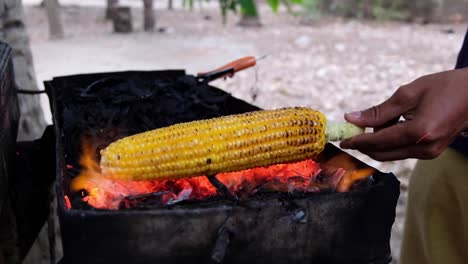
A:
x,y
233,6
299,2
248,7
274,4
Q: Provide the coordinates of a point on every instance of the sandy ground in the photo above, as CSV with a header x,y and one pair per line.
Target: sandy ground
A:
x,y
332,65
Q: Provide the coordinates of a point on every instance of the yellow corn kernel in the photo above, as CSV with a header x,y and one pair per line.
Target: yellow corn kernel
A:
x,y
224,144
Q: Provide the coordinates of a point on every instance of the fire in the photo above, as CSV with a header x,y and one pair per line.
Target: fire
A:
x,y
104,192
352,171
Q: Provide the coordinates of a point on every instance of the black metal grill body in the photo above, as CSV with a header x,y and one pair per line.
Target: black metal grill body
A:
x,y
9,117
349,227
26,173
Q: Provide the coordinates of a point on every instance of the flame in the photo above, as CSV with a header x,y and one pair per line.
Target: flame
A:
x,y
353,171
104,192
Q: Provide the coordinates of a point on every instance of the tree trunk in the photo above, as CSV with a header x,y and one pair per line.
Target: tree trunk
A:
x,y
55,21
366,9
223,4
439,11
122,18
250,16
148,14
13,32
250,21
170,4
111,5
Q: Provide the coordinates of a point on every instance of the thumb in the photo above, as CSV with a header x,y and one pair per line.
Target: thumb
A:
x,y
376,116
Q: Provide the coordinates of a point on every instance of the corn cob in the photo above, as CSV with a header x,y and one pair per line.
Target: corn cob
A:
x,y
224,144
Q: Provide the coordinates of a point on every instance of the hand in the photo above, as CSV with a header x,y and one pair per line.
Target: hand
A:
x,y
435,111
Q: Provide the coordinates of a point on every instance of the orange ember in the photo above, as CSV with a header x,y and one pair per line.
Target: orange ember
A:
x,y
305,177
67,202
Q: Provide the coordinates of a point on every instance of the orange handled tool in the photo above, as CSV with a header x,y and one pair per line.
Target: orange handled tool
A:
x,y
229,69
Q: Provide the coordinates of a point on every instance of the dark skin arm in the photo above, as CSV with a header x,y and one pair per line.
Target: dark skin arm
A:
x,y
435,111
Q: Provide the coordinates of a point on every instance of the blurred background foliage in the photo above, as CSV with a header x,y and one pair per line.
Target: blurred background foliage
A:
x,y
248,8
363,9
422,11
381,10
370,9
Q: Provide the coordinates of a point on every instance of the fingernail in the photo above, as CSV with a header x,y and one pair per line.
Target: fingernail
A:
x,y
354,115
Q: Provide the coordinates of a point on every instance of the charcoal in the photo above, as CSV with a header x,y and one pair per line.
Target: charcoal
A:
x,y
222,189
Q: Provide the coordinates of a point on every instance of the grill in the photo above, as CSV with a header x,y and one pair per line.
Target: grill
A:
x,y
9,116
270,227
26,173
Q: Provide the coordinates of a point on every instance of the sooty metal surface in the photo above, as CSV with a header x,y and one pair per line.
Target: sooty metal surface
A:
x,y
26,173
351,227
9,118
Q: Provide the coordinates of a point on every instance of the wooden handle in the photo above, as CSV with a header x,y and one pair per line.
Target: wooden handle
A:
x,y
240,64
237,65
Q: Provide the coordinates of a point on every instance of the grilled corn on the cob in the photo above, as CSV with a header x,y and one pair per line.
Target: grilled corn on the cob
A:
x,y
223,144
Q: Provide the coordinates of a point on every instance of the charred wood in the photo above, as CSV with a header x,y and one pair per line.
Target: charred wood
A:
x,y
222,189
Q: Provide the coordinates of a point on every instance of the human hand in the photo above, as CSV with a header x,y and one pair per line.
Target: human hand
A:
x,y
435,111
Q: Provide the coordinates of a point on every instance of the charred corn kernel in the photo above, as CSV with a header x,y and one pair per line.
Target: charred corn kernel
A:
x,y
224,144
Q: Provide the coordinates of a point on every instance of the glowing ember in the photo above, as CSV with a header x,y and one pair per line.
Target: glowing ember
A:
x,y
67,202
304,177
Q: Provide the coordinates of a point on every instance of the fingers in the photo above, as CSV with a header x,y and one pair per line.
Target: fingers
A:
x,y
388,138
409,139
388,124
424,151
434,108
388,111
395,154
